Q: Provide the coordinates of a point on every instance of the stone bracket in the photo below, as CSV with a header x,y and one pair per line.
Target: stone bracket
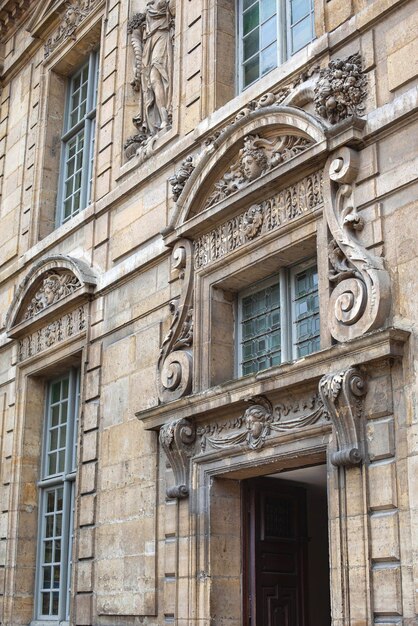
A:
x,y
342,394
177,439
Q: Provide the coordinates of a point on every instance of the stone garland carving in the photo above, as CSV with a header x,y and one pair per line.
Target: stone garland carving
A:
x,y
342,395
257,157
174,367
259,421
55,287
152,38
267,216
75,13
177,440
360,297
180,178
341,89
63,328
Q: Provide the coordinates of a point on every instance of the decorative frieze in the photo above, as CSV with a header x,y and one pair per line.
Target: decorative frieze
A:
x,y
152,38
287,205
259,421
174,367
75,13
360,296
257,157
59,330
342,394
55,286
341,89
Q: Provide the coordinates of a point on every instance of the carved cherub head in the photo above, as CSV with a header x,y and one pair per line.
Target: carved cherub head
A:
x,y
253,158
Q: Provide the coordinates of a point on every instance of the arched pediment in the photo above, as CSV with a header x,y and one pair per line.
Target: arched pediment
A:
x,y
241,157
55,282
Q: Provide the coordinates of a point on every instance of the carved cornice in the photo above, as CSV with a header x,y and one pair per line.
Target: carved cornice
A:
x,y
259,421
177,440
11,13
76,12
174,367
342,395
360,297
271,214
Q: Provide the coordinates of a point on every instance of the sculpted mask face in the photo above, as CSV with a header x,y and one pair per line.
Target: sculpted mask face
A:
x,y
251,168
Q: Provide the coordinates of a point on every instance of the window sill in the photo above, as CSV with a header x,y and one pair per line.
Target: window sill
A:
x,y
51,622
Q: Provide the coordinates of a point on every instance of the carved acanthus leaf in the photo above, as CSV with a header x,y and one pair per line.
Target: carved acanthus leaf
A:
x,y
269,215
152,39
75,13
177,440
257,157
261,419
360,298
341,89
55,287
342,395
174,368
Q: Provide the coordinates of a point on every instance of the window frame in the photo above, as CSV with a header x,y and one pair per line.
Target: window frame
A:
x,y
46,484
284,28
286,278
86,124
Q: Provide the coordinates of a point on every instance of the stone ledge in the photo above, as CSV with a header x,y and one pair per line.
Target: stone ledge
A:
x,y
371,348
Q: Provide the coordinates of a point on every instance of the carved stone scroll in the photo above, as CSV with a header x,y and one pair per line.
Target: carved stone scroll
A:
x,y
342,394
174,373
360,297
152,38
257,157
177,439
258,422
341,89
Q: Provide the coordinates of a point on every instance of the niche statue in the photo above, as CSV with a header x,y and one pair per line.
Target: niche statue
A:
x,y
152,34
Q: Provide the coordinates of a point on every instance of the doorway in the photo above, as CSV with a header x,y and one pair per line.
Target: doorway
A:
x,y
285,535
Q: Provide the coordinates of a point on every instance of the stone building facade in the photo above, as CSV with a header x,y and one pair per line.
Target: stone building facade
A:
x,y
208,312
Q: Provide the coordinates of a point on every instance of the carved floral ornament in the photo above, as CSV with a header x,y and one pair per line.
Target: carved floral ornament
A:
x,y
339,399
75,13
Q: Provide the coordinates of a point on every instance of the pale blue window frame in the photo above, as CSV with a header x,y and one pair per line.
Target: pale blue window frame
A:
x,y
269,32
56,500
77,141
283,315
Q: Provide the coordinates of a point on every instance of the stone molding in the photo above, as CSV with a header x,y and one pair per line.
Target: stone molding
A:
x,y
177,440
54,282
285,206
360,297
152,39
10,15
342,395
174,366
75,13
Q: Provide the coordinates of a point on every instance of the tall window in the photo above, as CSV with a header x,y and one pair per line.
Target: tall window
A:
x,y
78,141
279,319
270,31
56,505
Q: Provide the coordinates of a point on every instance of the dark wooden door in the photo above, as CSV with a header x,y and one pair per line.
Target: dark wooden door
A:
x,y
275,544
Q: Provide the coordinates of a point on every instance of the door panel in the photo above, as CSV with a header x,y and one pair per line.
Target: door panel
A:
x,y
276,568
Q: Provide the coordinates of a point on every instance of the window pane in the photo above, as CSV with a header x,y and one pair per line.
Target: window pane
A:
x,y
306,307
268,8
248,3
251,71
251,44
251,19
299,9
269,59
301,34
268,32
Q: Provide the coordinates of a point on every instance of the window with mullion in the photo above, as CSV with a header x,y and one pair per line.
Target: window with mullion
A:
x,y
78,141
56,492
268,32
278,320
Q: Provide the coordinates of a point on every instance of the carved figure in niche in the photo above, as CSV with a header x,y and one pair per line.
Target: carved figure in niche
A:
x,y
257,157
152,40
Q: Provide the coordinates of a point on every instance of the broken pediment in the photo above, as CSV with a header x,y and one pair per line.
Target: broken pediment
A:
x,y
55,283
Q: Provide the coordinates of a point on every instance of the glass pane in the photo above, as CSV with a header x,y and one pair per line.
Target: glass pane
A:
x,y
301,34
268,8
299,9
251,44
250,19
269,59
49,526
56,577
48,552
52,464
64,390
55,392
248,3
46,578
268,32
55,603
45,604
53,441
